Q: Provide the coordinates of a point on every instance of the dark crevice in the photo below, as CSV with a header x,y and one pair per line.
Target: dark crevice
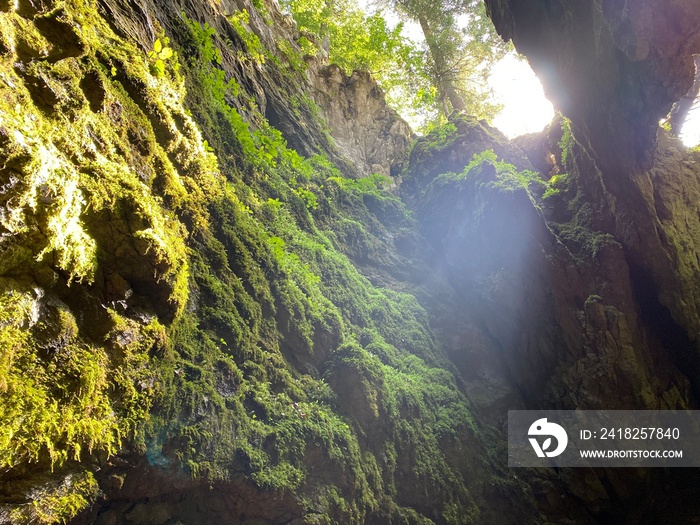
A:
x,y
660,323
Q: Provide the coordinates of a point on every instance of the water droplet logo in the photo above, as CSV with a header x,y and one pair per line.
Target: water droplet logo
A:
x,y
542,427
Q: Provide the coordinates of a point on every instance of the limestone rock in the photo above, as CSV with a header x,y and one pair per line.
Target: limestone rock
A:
x,y
363,127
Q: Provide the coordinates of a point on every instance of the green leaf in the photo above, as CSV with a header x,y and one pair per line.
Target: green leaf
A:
x,y
157,46
159,68
166,53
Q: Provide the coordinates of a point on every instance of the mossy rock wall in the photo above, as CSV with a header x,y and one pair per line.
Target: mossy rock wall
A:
x,y
182,322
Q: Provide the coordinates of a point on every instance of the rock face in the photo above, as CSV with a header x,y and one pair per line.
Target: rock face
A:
x,y
629,212
635,60
550,311
363,127
613,67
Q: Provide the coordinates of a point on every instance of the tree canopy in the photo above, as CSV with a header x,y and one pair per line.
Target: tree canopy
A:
x,y
461,44
424,79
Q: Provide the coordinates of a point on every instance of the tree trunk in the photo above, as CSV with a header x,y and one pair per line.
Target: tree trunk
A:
x,y
680,110
444,82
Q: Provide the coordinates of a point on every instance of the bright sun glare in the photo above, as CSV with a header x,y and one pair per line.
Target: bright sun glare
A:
x,y
525,108
690,134
517,88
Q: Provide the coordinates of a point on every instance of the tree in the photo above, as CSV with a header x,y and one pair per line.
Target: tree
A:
x,y
355,40
424,81
461,44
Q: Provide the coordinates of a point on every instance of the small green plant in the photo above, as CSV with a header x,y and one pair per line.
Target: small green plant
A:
x,y
161,54
307,47
567,140
438,136
308,196
274,204
293,57
554,185
255,50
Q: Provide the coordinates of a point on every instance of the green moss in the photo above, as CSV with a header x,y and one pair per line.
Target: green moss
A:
x,y
492,172
59,503
63,398
592,299
227,306
573,217
439,138
271,285
50,195
110,169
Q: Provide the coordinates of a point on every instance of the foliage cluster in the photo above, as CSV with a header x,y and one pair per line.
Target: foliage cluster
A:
x,y
161,53
356,40
496,173
461,46
254,50
425,80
